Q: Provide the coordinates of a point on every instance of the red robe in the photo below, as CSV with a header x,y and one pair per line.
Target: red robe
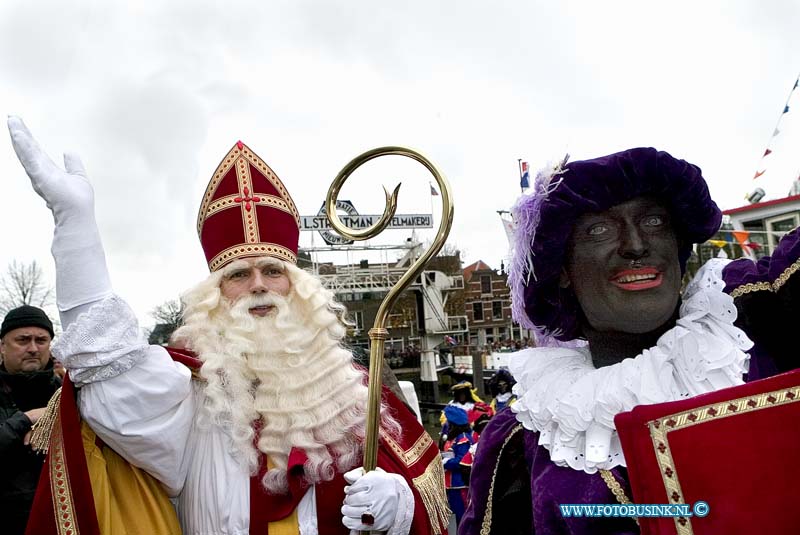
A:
x,y
64,505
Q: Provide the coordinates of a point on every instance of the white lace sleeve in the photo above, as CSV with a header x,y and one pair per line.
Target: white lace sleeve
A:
x,y
102,343
133,395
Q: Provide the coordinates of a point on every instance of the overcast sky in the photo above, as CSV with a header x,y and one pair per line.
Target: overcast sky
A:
x,y
153,96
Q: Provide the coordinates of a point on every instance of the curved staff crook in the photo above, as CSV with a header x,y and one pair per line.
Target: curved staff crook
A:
x,y
378,333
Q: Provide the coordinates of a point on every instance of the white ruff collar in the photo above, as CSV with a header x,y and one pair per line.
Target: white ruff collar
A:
x,y
572,404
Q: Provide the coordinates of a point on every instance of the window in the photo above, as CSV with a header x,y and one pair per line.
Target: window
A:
x,y
497,310
778,226
477,311
486,284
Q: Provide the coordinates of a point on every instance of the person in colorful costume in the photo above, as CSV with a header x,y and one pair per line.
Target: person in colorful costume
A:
x,y
464,397
600,249
477,419
500,385
456,448
254,421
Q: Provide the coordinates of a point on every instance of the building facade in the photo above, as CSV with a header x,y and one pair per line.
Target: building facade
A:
x,y
487,305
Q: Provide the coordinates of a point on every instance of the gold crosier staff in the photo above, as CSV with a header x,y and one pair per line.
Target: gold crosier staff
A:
x,y
378,333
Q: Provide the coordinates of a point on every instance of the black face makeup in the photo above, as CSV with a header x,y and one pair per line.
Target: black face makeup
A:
x,y
623,266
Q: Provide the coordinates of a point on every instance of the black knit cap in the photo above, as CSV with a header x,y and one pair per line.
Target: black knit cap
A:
x,y
26,316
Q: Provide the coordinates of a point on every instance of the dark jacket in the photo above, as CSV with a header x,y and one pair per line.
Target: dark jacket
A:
x,y
19,465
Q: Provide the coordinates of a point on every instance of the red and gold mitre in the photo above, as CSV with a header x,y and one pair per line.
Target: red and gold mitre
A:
x,y
246,211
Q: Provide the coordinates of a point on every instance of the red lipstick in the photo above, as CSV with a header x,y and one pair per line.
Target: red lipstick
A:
x,y
637,279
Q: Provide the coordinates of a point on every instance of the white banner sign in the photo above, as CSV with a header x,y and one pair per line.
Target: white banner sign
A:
x,y
354,220
399,221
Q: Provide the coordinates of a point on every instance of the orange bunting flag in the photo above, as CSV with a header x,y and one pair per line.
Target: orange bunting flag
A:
x,y
759,173
742,236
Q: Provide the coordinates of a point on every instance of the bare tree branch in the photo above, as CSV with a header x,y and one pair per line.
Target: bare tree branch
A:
x,y
24,284
168,316
169,312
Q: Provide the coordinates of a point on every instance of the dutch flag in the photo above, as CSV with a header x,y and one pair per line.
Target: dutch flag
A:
x,y
524,177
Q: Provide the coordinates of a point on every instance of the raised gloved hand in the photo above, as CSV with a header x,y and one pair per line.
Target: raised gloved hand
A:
x,y
385,499
81,273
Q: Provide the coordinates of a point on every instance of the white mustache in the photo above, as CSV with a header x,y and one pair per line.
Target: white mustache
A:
x,y
260,300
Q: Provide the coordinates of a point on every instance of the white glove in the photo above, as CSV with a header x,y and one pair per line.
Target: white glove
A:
x,y
386,497
81,273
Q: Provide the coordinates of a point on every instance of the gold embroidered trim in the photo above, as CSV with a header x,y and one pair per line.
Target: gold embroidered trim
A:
x,y
264,200
766,286
249,215
669,475
614,486
273,179
43,428
60,488
225,166
430,486
222,170
251,249
660,428
486,525
783,277
414,453
399,451
750,288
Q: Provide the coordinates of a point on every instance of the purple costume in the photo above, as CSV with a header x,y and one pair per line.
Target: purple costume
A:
x,y
766,296
515,487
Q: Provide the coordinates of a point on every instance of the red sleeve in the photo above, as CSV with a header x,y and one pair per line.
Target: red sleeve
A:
x,y
414,455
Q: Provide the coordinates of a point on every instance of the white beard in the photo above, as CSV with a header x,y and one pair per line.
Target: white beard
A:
x,y
288,371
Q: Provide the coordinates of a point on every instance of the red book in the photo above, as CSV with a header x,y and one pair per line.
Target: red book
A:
x,y
736,449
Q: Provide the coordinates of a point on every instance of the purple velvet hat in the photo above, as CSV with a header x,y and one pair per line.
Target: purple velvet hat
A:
x,y
545,217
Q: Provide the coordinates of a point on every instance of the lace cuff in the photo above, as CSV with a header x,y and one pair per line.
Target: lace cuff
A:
x,y
102,343
572,405
405,507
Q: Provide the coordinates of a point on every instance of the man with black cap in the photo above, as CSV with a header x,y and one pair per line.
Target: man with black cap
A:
x,y
27,383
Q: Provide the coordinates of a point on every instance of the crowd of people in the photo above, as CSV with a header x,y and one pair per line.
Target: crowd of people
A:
x,y
510,345
463,420
252,420
406,357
